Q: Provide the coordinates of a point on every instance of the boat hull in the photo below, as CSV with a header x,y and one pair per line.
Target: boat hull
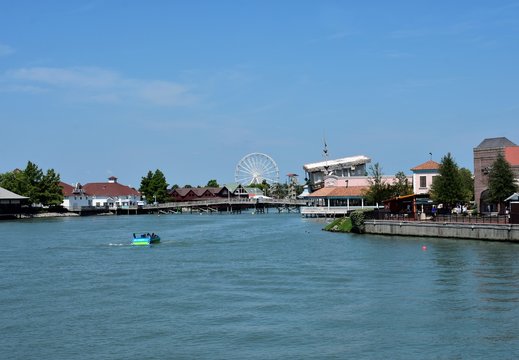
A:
x,y
146,240
141,242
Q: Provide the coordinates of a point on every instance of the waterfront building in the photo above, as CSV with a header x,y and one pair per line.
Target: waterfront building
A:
x,y
423,176
348,167
195,194
111,194
74,197
237,190
337,187
485,154
11,203
228,191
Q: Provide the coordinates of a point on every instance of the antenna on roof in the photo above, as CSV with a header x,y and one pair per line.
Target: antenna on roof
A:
x,y
430,156
325,154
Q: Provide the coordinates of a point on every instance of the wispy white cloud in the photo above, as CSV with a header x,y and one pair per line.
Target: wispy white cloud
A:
x,y
99,85
5,50
30,89
73,77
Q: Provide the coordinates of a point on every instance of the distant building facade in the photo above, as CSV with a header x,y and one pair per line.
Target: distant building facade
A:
x,y
11,203
423,176
228,191
111,194
341,183
74,197
196,194
344,168
485,154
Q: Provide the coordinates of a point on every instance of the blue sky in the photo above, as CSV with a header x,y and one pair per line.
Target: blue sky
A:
x,y
100,88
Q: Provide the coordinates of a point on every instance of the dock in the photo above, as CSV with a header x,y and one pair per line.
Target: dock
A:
x,y
218,205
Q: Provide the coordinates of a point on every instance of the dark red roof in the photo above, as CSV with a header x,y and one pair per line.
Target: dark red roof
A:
x,y
109,189
182,192
66,188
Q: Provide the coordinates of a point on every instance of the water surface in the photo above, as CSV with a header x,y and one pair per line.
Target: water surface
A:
x,y
250,287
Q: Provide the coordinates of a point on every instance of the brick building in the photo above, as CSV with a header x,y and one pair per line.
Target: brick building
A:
x,y
484,156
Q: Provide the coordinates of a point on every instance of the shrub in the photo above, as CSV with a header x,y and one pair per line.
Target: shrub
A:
x,y
357,220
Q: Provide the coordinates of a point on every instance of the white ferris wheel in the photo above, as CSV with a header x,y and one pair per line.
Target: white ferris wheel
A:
x,y
255,168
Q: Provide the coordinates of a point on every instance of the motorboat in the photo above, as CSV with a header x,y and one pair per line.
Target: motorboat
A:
x,y
145,239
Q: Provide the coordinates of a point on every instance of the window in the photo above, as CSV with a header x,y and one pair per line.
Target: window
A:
x,y
423,181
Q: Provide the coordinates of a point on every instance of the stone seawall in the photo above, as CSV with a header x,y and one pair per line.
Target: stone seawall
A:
x,y
487,232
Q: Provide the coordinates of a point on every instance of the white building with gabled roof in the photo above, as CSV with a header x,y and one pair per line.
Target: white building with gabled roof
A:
x,y
74,197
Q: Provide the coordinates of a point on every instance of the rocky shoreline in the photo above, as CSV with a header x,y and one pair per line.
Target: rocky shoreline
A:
x,y
50,215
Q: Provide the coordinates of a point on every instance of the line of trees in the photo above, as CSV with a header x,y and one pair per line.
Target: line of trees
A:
x,y
379,190
41,188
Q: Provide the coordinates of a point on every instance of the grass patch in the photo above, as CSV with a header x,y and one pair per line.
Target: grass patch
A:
x,y
340,225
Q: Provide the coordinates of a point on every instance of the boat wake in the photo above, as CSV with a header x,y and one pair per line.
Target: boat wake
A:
x,y
122,244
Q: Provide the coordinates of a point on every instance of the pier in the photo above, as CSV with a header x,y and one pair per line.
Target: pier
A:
x,y
218,205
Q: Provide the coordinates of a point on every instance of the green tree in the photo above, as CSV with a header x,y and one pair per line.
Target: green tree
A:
x,y
31,182
402,186
447,187
279,191
14,181
50,192
145,188
467,183
213,183
264,187
33,176
501,181
378,190
154,187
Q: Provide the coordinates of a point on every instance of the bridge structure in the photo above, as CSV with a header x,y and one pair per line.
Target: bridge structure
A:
x,y
218,205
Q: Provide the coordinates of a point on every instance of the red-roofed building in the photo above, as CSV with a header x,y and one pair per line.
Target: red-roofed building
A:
x,y
112,194
74,197
195,194
485,154
423,176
